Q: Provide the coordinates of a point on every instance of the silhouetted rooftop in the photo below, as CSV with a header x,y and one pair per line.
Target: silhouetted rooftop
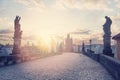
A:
x,y
116,37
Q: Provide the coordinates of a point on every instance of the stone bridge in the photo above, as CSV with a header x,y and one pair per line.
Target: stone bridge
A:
x,y
67,66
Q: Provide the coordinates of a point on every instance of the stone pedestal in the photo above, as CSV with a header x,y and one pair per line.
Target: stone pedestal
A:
x,y
107,46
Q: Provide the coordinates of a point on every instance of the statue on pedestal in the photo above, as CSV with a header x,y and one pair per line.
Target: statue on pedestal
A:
x,y
107,37
17,36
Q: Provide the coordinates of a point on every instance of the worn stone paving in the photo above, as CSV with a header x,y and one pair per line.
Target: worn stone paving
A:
x,y
68,66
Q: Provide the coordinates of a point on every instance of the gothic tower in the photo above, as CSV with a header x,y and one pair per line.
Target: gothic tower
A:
x,y
69,44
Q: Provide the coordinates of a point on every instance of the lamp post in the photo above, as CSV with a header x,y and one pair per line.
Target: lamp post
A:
x,y
90,44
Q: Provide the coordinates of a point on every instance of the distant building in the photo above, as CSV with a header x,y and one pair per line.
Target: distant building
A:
x,y
60,47
68,44
5,49
117,38
76,48
98,48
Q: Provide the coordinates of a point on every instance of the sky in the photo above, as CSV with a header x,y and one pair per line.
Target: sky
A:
x,y
43,19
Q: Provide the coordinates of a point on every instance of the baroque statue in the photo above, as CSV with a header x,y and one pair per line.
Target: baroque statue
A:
x,y
107,37
17,36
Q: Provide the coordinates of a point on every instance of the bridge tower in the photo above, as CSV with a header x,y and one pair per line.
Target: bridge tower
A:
x,y
68,44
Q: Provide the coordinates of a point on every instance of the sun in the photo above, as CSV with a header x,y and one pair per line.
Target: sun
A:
x,y
44,41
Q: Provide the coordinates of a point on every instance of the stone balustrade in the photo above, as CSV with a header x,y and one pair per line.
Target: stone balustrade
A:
x,y
110,63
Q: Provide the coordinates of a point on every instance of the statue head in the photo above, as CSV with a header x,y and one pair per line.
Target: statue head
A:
x,y
17,19
106,17
108,20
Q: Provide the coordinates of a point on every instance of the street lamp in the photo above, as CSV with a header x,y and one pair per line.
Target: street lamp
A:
x,y
90,44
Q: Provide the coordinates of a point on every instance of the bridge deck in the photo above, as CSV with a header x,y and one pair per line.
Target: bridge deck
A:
x,y
68,66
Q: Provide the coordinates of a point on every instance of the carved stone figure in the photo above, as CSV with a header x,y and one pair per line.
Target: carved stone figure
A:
x,y
17,36
107,37
107,25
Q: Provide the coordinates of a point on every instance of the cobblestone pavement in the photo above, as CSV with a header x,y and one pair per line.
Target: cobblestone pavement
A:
x,y
68,66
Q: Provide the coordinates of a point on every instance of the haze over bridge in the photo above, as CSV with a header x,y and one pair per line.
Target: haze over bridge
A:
x,y
67,66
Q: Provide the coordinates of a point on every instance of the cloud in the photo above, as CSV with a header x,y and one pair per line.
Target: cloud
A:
x,y
116,17
32,4
115,24
6,35
96,5
3,39
101,5
118,4
6,38
2,10
30,37
6,31
97,38
95,35
5,22
81,31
